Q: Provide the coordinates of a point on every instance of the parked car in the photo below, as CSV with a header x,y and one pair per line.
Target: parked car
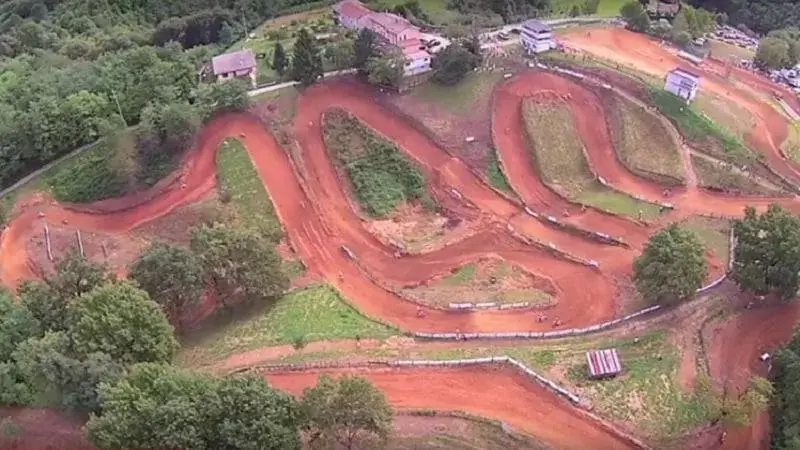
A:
x,y
516,31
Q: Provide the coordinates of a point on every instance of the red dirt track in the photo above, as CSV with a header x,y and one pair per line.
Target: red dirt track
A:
x,y
318,219
502,394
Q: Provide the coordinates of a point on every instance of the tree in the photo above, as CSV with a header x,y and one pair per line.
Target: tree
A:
x,y
239,260
306,62
386,70
230,96
340,55
122,321
17,324
452,64
279,59
575,11
171,275
767,253
159,406
61,378
364,48
76,275
772,53
671,267
785,412
634,14
345,411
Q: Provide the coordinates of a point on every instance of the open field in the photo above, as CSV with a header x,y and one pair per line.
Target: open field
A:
x,y
460,98
485,281
643,144
425,430
312,314
728,115
727,52
713,233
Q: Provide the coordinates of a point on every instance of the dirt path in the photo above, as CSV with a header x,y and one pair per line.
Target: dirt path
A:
x,y
499,393
319,220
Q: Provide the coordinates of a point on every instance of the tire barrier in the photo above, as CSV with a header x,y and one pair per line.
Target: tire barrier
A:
x,y
348,252
47,243
552,249
602,237
487,305
534,334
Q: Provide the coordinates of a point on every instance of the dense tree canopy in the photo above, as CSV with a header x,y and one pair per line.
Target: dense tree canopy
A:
x,y
364,48
159,406
171,275
385,70
634,14
786,405
671,267
761,16
509,10
239,261
780,48
767,254
453,64
349,412
122,321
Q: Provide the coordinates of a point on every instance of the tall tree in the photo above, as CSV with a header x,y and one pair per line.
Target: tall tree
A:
x,y
671,267
453,64
76,275
364,48
159,406
346,412
767,253
634,14
239,260
171,275
122,321
279,59
223,97
306,62
17,324
386,70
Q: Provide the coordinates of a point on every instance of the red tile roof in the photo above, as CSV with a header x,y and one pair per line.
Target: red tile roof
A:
x,y
352,8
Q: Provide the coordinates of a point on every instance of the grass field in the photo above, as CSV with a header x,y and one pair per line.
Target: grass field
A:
x,y
712,232
312,314
458,99
643,144
382,176
647,392
791,145
714,176
558,154
605,8
240,182
485,281
728,115
724,51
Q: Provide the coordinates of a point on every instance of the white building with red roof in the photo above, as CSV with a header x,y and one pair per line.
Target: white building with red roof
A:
x,y
394,29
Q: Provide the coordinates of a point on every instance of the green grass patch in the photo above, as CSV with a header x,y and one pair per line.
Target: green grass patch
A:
x,y
312,314
605,8
646,393
496,176
609,8
615,202
729,115
464,275
459,99
724,51
240,184
695,127
642,142
382,176
712,232
716,176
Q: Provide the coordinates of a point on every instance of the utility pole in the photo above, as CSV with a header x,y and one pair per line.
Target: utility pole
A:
x,y
119,108
244,25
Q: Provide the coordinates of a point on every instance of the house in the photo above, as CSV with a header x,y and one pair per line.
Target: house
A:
x,y
418,60
241,64
682,83
351,14
537,37
393,28
603,363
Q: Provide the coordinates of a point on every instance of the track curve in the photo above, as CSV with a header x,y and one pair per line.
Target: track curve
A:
x,y
318,218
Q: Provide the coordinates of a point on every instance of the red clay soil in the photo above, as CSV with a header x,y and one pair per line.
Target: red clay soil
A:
x,y
648,56
500,393
318,219
41,429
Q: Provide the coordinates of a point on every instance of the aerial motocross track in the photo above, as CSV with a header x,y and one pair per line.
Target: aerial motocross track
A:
x,y
318,218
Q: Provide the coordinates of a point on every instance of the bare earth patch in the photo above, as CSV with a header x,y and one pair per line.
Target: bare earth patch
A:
x,y
417,230
423,432
488,280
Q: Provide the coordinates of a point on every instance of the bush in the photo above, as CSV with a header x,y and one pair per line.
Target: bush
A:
x,y
88,178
